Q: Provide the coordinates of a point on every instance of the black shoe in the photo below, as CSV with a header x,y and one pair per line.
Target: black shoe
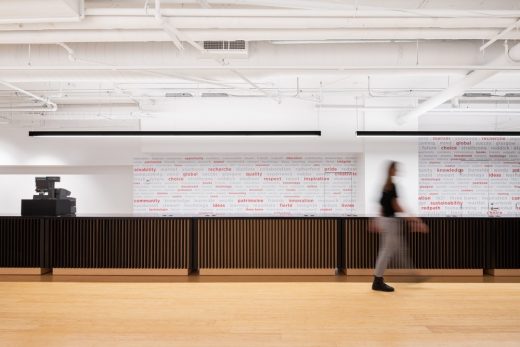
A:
x,y
380,285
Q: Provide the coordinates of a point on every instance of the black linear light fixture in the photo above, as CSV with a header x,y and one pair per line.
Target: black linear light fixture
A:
x,y
170,133
434,133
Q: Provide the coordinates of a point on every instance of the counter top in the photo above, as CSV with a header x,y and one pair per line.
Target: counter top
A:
x,y
241,217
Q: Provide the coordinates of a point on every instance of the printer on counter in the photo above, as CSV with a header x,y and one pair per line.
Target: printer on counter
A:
x,y
50,201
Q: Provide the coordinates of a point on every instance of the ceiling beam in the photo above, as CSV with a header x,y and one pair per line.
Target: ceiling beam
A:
x,y
211,22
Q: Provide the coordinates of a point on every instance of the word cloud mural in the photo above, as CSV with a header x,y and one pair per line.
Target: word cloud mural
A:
x,y
245,184
473,176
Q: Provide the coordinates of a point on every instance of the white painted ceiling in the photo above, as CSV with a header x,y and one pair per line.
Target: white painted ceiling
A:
x,y
105,61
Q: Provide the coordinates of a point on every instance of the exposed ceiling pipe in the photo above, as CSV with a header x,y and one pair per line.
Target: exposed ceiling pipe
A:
x,y
471,80
23,109
174,33
512,57
504,96
339,107
283,4
48,106
85,111
369,4
167,27
18,21
319,12
157,9
239,74
313,42
84,116
159,35
362,68
253,84
295,4
182,36
500,35
72,57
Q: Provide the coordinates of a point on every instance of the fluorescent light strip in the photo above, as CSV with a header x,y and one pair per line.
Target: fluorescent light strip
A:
x,y
434,133
169,133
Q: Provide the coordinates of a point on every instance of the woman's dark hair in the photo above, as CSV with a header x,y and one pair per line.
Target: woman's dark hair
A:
x,y
391,168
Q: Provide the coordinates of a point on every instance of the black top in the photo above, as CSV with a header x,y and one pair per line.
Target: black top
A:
x,y
386,201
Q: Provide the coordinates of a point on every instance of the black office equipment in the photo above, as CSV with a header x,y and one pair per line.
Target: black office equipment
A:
x,y
50,201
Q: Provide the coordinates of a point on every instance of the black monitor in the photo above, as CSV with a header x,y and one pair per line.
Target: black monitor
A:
x,y
45,184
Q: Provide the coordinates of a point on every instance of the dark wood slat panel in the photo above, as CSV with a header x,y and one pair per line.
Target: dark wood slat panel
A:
x,y
505,248
452,243
249,243
22,243
127,243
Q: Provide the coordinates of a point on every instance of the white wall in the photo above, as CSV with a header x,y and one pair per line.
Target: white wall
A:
x,y
99,171
18,149
377,157
98,189
251,114
379,151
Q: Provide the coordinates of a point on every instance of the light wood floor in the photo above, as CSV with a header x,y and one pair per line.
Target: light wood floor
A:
x,y
256,313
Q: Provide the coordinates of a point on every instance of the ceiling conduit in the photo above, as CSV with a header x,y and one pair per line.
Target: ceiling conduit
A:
x,y
48,106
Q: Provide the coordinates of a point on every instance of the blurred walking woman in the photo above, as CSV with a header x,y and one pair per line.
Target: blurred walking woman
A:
x,y
388,227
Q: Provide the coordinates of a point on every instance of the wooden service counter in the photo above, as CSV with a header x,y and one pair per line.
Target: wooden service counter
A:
x,y
133,245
